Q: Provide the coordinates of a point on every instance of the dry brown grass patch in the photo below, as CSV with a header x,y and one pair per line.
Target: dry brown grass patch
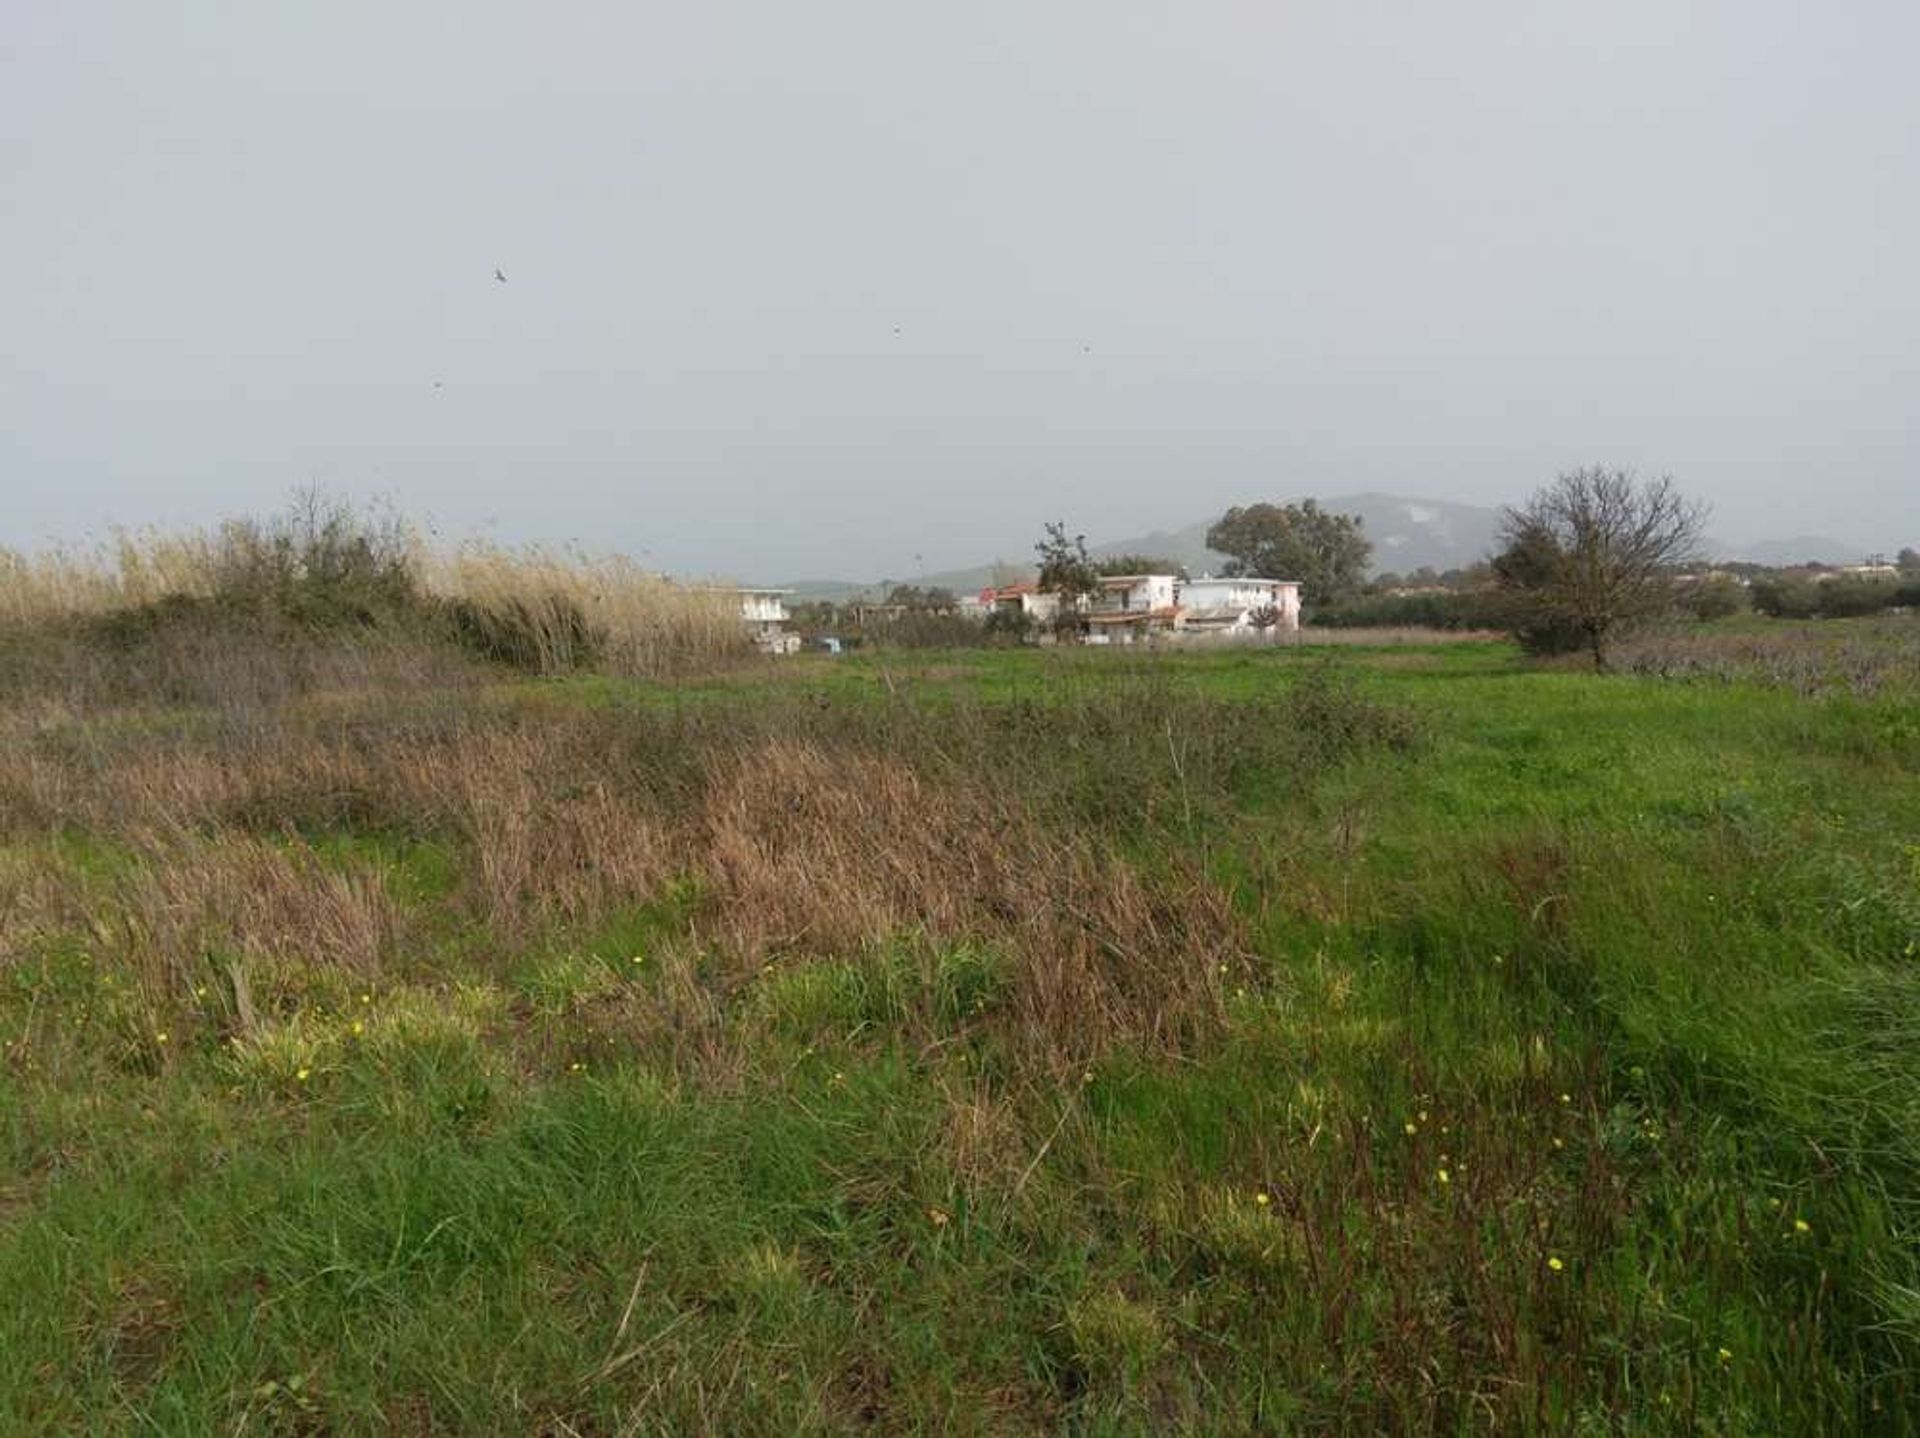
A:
x,y
817,853
193,907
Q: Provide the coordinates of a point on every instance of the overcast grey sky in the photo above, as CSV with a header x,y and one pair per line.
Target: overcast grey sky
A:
x,y
811,289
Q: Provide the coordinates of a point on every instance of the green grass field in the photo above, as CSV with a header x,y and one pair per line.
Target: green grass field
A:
x,y
1404,1039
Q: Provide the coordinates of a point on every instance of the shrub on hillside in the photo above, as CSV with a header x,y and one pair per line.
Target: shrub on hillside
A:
x,y
322,564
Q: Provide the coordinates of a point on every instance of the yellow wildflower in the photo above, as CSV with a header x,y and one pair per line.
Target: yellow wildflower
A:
x,y
1555,1264
1445,1177
1262,1199
1800,1225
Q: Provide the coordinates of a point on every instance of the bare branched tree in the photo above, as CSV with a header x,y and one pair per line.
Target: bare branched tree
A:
x,y
1593,554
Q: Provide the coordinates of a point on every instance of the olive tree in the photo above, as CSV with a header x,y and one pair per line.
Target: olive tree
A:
x,y
1593,554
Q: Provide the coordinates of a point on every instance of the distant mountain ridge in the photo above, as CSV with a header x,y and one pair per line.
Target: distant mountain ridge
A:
x,y
1406,533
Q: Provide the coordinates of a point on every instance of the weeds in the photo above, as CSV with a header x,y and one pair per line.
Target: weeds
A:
x,y
1227,1042
1863,659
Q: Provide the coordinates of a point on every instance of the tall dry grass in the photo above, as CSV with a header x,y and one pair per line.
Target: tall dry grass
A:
x,y
799,850
180,608
813,854
134,568
558,610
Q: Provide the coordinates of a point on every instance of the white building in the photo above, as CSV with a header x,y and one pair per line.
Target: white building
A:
x,y
764,612
1129,607
1026,598
1244,607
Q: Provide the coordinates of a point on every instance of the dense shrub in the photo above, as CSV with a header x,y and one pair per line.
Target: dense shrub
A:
x,y
321,563
1008,626
1843,596
1786,597
1849,596
1458,609
928,629
1717,596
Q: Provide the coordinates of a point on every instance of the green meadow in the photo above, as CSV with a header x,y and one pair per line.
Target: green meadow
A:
x,y
1409,1038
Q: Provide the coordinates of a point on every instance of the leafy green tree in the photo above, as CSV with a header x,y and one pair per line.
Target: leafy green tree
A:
x,y
912,596
1908,560
1326,552
1065,567
1786,596
1139,564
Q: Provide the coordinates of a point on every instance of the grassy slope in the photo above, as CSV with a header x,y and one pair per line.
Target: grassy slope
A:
x,y
1564,1025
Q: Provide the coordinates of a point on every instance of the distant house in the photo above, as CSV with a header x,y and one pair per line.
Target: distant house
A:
x,y
1129,607
1244,607
764,612
1134,608
1139,608
1026,598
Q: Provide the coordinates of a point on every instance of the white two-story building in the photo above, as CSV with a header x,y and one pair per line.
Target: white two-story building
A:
x,y
1128,607
764,612
1244,607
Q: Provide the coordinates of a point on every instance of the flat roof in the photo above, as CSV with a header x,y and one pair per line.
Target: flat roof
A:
x,y
1239,579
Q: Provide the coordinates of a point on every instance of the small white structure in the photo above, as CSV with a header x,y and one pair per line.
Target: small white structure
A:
x,y
1244,607
764,612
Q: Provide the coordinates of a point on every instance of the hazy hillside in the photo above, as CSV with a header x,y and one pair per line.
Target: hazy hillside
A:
x,y
1804,549
1407,534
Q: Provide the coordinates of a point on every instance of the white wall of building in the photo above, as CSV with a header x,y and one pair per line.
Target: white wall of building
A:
x,y
1139,592
763,606
1232,603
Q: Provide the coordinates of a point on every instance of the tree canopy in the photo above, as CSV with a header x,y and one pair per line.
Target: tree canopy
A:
x,y
1326,552
1594,553
1139,564
1065,567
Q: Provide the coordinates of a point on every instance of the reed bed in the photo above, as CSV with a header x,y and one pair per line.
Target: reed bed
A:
x,y
326,570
